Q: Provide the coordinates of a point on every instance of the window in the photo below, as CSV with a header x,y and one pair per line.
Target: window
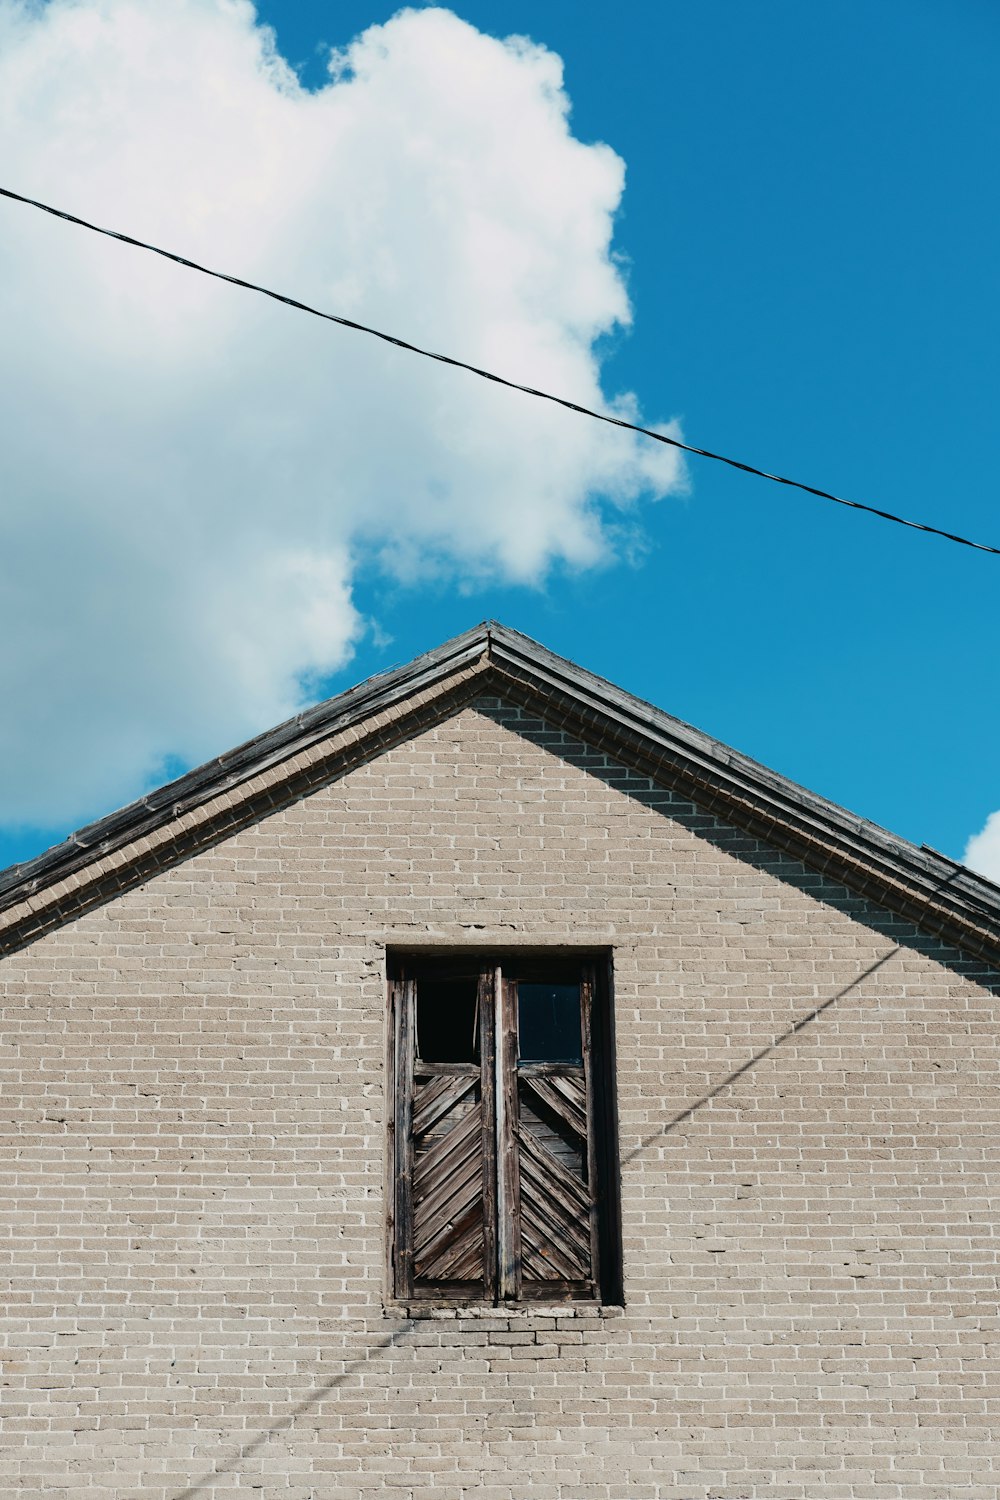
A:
x,y
502,1129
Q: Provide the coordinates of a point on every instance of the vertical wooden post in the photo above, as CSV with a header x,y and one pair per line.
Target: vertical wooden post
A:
x,y
405,1052
487,1059
391,1108
588,985
508,1185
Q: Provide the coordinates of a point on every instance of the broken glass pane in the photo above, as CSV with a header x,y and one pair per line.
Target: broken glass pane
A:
x,y
447,1017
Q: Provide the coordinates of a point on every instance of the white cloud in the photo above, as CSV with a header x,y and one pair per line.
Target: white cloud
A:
x,y
190,473
982,852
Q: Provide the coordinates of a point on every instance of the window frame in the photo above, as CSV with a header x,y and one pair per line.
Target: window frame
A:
x,y
497,973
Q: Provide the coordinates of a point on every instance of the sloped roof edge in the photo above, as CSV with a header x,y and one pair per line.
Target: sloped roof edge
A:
x,y
725,780
230,770
817,831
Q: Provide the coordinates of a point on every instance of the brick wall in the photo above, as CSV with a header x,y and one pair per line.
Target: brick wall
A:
x,y
192,1160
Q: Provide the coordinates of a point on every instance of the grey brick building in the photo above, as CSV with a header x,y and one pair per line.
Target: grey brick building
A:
x,y
486,1085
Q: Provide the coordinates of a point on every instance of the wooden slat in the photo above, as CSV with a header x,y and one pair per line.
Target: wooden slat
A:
x,y
553,1176
549,1132
433,1170
550,1250
435,1099
463,1180
571,1108
460,1188
558,1291
470,1266
536,1267
432,1261
572,1084
554,1222
460,1257
548,1231
436,1236
531,1267
423,1069
543,1069
431,1149
450,1209
566,1217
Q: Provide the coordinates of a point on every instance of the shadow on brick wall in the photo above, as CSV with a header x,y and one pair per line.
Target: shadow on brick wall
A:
x,y
240,1456
751,1062
746,847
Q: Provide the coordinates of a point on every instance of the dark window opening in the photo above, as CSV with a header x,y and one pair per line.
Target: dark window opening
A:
x,y
548,1023
448,1020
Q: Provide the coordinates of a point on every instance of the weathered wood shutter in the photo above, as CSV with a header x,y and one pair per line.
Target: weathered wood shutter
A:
x,y
554,1197
497,1186
444,1166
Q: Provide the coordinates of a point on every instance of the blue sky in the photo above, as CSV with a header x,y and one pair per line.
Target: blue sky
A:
x,y
808,234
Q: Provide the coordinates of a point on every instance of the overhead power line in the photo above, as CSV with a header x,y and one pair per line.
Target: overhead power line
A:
x,y
513,385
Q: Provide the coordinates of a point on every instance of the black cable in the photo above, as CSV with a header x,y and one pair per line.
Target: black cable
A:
x,y
527,390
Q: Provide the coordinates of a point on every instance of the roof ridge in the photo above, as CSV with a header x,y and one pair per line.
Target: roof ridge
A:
x,y
744,792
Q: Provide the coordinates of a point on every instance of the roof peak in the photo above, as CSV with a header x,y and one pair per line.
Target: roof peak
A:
x,y
722,780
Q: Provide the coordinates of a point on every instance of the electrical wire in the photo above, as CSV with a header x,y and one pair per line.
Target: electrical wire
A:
x,y
513,385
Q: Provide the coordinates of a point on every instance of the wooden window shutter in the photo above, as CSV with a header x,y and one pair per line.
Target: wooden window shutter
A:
x,y
500,1136
444,1157
556,1205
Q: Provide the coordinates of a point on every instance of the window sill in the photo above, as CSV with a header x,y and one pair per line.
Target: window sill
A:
x,y
522,1312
